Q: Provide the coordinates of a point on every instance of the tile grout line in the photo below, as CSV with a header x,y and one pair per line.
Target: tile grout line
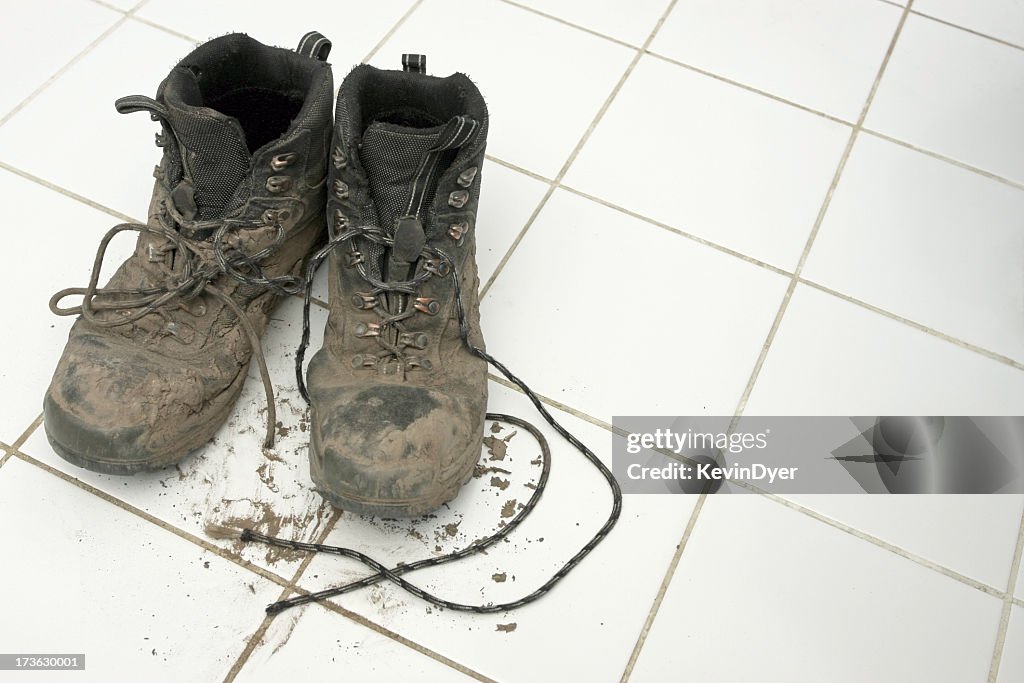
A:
x,y
663,589
12,449
679,231
885,545
967,346
509,165
391,31
125,15
965,29
8,453
751,89
156,521
166,29
1008,601
570,24
553,403
941,157
980,34
331,606
20,441
67,193
253,641
556,181
787,297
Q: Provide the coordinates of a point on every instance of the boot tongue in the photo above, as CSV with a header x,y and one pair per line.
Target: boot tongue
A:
x,y
392,156
217,157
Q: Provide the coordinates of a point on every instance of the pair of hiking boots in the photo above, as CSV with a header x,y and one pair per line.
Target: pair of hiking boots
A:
x,y
256,187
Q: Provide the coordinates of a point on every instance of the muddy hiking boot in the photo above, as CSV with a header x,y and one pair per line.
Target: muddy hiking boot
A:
x,y
398,400
158,355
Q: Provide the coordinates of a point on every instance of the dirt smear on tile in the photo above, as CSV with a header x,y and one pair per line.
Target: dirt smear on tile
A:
x,y
507,628
287,634
258,515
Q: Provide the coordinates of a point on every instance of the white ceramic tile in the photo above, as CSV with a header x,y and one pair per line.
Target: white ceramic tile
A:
x,y
954,93
526,66
614,316
831,357
823,54
71,134
507,200
311,643
123,5
1011,666
1003,19
631,22
233,481
928,241
585,628
731,166
83,576
52,239
973,535
41,38
764,593
354,28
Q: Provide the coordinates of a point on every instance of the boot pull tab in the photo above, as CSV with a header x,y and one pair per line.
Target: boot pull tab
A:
x,y
134,103
414,63
409,240
315,46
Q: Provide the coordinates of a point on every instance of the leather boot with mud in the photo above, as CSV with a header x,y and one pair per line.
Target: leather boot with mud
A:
x,y
398,400
158,356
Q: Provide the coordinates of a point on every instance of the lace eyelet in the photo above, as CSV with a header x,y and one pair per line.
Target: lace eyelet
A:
x,y
427,305
420,363
340,220
417,340
363,360
282,161
279,183
458,198
457,230
437,267
276,216
340,189
338,158
364,301
465,178
367,330
353,258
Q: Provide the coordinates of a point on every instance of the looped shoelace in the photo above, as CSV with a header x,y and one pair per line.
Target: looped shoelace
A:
x,y
395,574
195,277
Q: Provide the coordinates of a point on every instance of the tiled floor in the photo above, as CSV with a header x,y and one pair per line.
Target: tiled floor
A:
x,y
778,207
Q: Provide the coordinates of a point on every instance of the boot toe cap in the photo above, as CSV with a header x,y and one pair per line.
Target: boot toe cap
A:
x,y
116,408
393,449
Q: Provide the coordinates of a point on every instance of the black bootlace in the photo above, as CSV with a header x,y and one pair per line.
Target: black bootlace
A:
x,y
395,574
